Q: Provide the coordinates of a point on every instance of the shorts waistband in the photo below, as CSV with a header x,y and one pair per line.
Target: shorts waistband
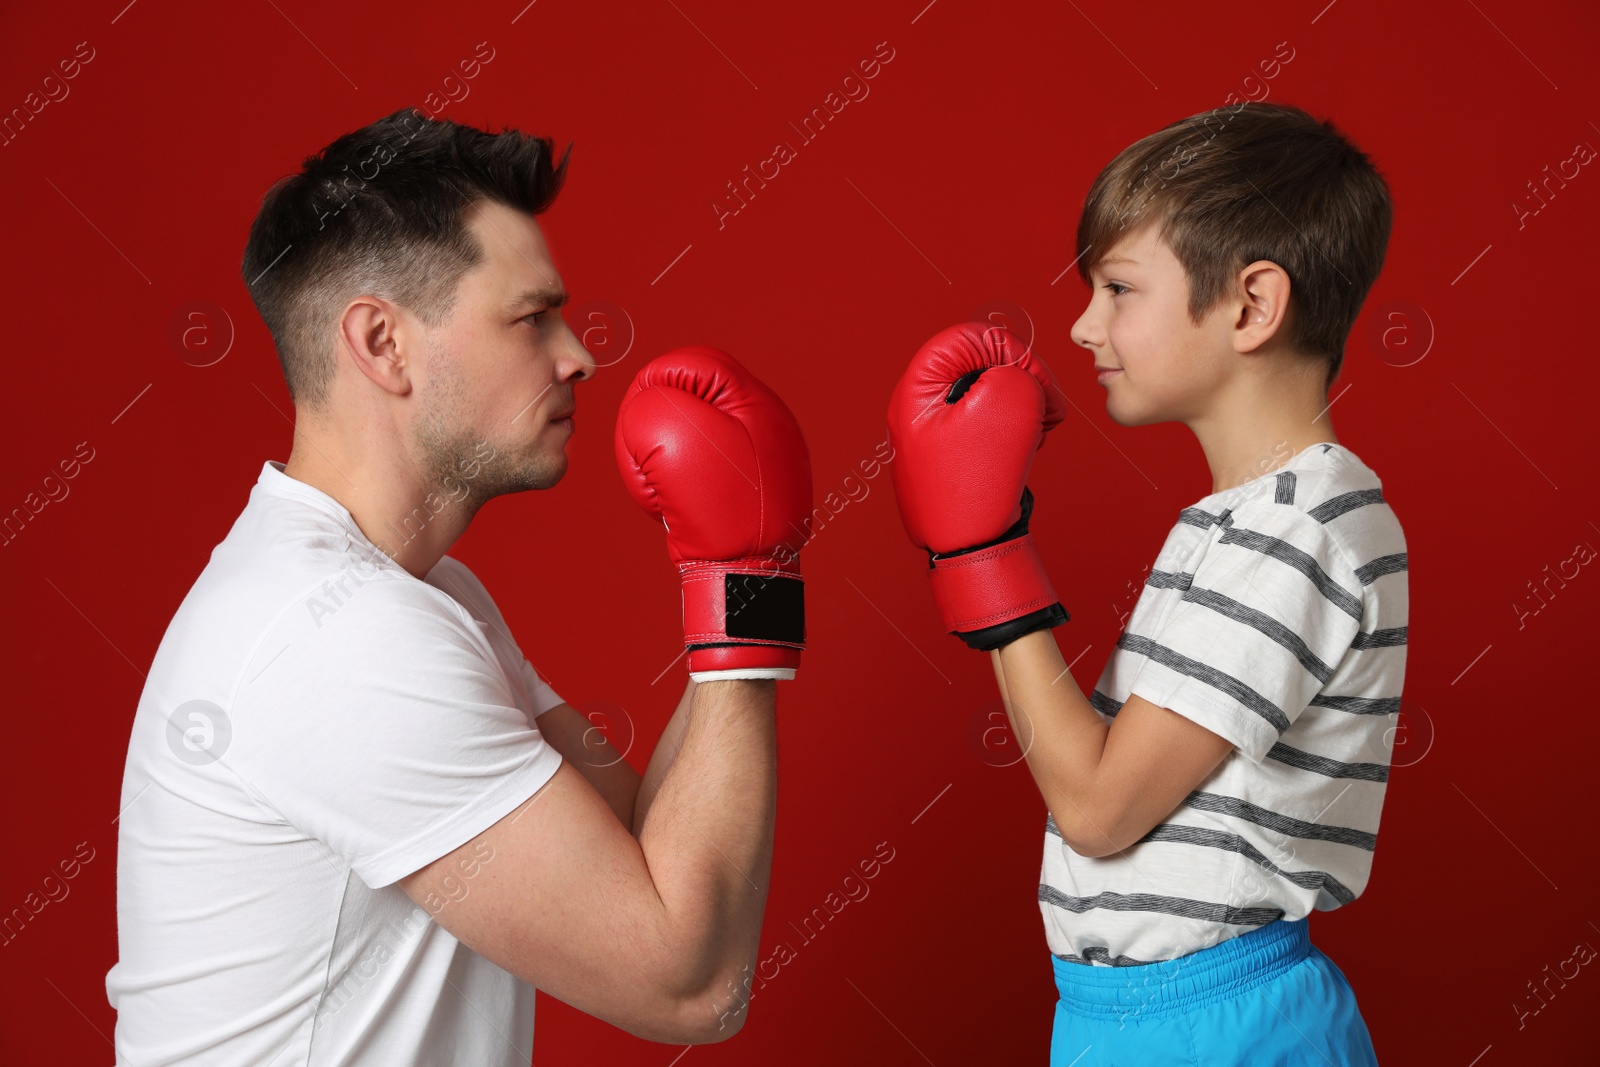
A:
x,y
1182,984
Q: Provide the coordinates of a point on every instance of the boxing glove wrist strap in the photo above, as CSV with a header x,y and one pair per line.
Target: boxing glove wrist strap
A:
x,y
993,637
977,590
743,615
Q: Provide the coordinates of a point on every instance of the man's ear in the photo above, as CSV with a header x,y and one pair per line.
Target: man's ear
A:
x,y
1263,305
377,340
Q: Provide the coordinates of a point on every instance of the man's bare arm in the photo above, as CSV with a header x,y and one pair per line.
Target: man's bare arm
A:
x,y
666,751
720,790
583,743
653,932
587,748
1105,785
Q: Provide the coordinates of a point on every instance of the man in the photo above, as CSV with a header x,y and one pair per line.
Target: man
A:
x,y
358,827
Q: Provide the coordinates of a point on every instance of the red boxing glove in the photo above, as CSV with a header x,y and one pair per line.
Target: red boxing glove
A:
x,y
965,421
704,446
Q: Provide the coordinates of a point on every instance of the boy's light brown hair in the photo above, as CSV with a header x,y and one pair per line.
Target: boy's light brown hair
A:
x,y
1257,181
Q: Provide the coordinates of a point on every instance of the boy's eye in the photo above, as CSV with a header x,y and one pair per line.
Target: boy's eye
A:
x,y
1116,288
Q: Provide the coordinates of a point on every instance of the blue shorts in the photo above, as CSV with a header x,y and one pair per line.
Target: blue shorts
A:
x,y
1265,997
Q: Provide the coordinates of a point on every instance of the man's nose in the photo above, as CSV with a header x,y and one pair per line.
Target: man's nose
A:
x,y
581,364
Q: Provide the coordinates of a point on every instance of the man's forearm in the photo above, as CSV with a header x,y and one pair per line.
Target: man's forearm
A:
x,y
661,758
1064,736
707,835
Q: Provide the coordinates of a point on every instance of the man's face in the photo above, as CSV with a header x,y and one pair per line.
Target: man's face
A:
x,y
500,372
1138,322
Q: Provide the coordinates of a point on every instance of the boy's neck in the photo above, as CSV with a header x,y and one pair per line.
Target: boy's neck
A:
x,y
1252,435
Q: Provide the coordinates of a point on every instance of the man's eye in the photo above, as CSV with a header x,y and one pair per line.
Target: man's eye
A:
x,y
1116,288
538,316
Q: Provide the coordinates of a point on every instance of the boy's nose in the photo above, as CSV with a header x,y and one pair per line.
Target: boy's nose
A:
x,y
1085,333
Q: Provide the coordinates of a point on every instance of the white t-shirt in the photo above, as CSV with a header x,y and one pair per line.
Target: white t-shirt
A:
x,y
318,723
1275,616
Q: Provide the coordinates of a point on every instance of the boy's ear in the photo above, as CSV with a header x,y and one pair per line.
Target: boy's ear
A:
x,y
1263,299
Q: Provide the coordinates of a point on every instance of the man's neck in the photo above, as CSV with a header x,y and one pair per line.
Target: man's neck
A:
x,y
410,522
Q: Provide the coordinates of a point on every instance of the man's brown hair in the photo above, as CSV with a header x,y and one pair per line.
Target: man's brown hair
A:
x,y
381,210
1257,181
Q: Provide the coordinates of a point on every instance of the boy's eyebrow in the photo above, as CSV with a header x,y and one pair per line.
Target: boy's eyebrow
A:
x,y
1099,265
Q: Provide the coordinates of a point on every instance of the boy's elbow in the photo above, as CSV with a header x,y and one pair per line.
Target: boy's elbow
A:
x,y
1091,835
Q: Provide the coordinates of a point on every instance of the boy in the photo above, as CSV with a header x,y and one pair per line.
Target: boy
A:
x,y
1225,776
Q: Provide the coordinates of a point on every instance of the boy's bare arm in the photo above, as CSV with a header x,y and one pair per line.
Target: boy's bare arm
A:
x,y
1105,786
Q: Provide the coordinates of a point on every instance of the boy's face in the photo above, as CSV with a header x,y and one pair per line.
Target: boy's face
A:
x,y
1137,323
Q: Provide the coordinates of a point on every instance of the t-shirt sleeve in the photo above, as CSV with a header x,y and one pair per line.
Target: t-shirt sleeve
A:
x,y
465,586
1272,608
385,729
541,698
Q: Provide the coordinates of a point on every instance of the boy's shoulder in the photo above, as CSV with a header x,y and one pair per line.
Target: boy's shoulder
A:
x,y
1328,485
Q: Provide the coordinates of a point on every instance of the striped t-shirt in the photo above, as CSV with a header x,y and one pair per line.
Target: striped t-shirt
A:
x,y
1274,616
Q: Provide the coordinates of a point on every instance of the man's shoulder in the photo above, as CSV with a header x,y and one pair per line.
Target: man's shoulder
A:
x,y
455,579
359,620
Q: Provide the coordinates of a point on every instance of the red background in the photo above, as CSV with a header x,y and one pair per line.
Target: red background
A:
x,y
956,183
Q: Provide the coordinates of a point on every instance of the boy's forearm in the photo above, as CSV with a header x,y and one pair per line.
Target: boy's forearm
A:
x,y
707,833
1063,736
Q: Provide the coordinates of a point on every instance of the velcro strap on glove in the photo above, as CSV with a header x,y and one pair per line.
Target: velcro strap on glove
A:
x,y
975,590
743,614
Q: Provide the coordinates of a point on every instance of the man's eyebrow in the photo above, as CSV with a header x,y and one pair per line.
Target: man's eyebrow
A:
x,y
551,298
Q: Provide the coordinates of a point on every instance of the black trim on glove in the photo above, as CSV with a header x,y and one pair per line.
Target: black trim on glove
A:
x,y
1016,530
992,637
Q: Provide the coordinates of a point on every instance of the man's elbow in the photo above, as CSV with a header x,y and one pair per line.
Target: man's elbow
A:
x,y
702,1018
674,1020
700,995
668,992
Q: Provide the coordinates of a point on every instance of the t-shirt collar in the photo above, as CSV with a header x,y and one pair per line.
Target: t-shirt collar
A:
x,y
274,480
